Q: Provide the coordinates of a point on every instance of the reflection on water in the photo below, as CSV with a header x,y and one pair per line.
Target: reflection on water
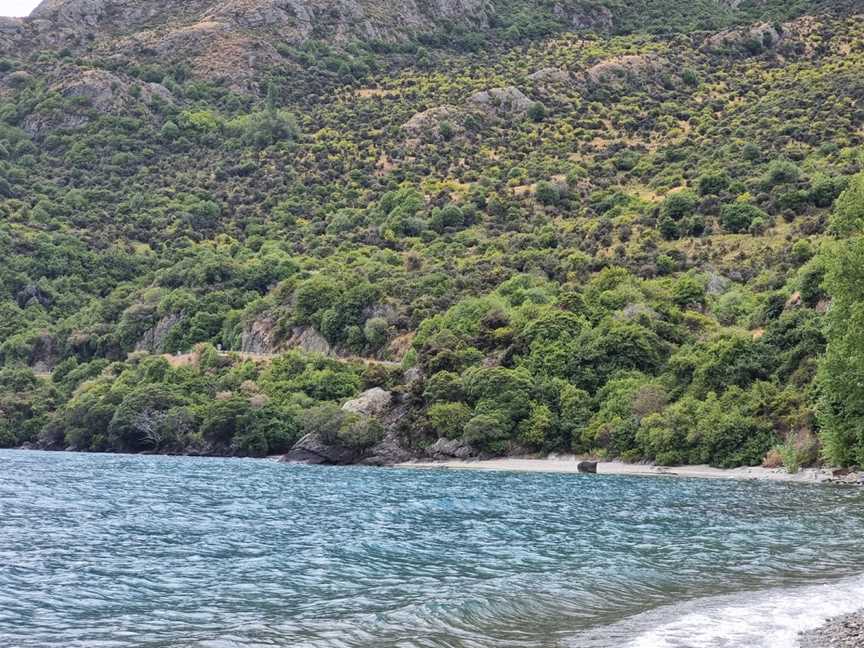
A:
x,y
117,551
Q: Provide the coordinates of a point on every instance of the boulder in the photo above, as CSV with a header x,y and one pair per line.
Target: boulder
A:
x,y
309,340
551,75
623,70
449,449
501,102
372,402
587,467
387,453
312,450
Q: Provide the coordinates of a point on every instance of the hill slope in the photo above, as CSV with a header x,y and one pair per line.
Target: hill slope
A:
x,y
586,226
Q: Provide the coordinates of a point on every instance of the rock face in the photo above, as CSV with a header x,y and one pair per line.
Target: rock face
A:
x,y
259,336
501,102
622,71
293,20
153,341
227,40
96,92
754,38
309,340
444,449
373,402
311,450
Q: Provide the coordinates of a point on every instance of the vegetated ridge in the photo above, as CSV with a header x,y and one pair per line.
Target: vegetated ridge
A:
x,y
443,228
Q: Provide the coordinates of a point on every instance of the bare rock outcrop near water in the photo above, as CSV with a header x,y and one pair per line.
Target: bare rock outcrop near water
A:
x,y
444,449
375,405
312,449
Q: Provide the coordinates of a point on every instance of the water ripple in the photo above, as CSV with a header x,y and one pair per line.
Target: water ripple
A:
x,y
121,552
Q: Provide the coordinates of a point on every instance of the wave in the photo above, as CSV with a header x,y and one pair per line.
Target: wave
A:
x,y
762,619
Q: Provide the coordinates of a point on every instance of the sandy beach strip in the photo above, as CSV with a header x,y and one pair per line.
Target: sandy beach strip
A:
x,y
570,465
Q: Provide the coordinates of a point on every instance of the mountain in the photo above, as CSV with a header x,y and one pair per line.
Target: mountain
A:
x,y
490,226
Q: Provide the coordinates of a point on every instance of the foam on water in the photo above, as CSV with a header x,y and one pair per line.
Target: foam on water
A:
x,y
765,619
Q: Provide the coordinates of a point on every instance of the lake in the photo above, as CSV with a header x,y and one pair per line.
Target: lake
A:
x,y
118,551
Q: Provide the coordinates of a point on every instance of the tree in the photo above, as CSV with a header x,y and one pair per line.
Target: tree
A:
x,y
140,417
712,183
848,216
841,405
548,193
678,205
537,111
738,217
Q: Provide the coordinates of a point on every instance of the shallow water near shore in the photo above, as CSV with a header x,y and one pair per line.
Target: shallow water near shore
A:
x,y
117,551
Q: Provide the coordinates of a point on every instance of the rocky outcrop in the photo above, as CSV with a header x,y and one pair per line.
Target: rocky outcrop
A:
x,y
387,453
153,341
373,402
752,39
501,102
588,467
259,336
307,339
622,71
444,449
44,353
312,450
550,75
33,295
717,284
92,92
56,22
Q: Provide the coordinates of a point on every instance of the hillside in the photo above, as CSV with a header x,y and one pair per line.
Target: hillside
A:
x,y
577,226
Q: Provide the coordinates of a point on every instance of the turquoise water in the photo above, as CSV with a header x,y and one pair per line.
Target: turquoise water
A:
x,y
115,551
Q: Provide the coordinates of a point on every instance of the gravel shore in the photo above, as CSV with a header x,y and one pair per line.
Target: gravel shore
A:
x,y
845,631
569,464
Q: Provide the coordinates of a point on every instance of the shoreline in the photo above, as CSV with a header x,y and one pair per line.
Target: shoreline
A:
x,y
844,631
569,465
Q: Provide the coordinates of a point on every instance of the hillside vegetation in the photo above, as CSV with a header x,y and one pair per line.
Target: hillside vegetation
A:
x,y
625,229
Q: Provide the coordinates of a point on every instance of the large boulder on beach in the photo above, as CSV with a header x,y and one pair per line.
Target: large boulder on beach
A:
x,y
444,449
312,449
588,467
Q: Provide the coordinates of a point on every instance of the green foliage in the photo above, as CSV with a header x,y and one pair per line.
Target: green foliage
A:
x,y
739,217
842,404
568,276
